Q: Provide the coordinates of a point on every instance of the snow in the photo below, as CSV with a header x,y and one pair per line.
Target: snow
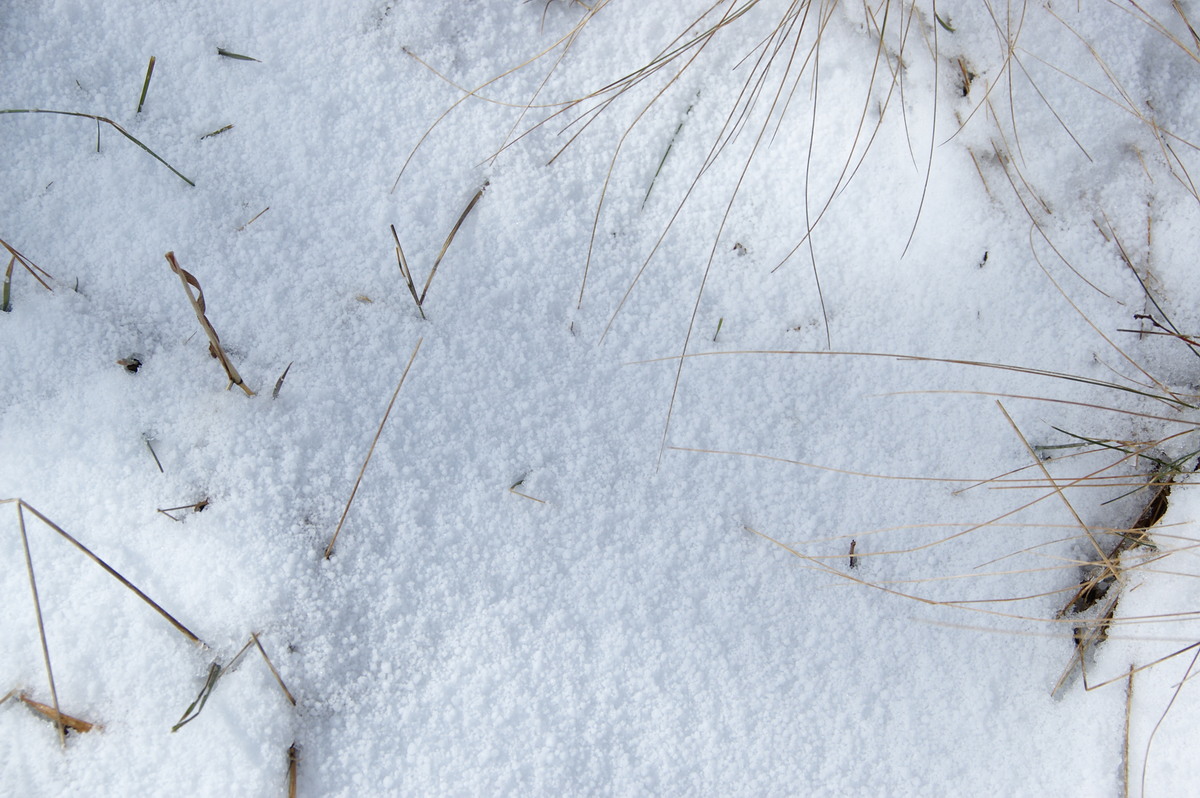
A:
x,y
572,566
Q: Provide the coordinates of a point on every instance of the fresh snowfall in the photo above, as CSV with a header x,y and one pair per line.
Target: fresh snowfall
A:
x,y
564,398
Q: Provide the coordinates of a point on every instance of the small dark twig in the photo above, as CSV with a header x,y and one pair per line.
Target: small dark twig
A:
x,y
154,455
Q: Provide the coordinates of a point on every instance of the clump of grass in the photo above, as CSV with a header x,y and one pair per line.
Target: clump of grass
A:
x,y
214,342
110,123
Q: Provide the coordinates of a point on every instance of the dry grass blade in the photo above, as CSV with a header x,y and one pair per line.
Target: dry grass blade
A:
x,y
1166,710
1058,375
37,607
252,220
968,605
217,132
667,152
406,272
402,261
153,453
468,93
847,472
50,713
1179,10
274,672
371,451
215,672
1109,564
22,505
194,709
1089,633
6,296
195,507
31,267
235,56
279,382
107,121
1125,736
197,303
293,761
513,490
450,238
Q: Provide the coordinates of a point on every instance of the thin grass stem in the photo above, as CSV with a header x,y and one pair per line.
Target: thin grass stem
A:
x,y
21,504
107,121
371,451
37,607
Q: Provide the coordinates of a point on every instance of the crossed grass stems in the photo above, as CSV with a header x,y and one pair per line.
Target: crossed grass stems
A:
x,y
65,723
788,52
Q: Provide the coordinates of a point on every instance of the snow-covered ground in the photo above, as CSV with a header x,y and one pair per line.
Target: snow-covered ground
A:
x,y
577,563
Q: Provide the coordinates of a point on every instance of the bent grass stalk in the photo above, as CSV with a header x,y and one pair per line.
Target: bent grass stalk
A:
x,y
196,300
110,123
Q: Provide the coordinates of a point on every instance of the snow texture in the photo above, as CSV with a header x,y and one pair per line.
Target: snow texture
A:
x,y
577,564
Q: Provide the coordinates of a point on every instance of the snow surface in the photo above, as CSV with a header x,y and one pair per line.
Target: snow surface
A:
x,y
618,629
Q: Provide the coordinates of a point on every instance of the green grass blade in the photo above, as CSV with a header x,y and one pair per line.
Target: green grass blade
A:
x,y
107,121
146,84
